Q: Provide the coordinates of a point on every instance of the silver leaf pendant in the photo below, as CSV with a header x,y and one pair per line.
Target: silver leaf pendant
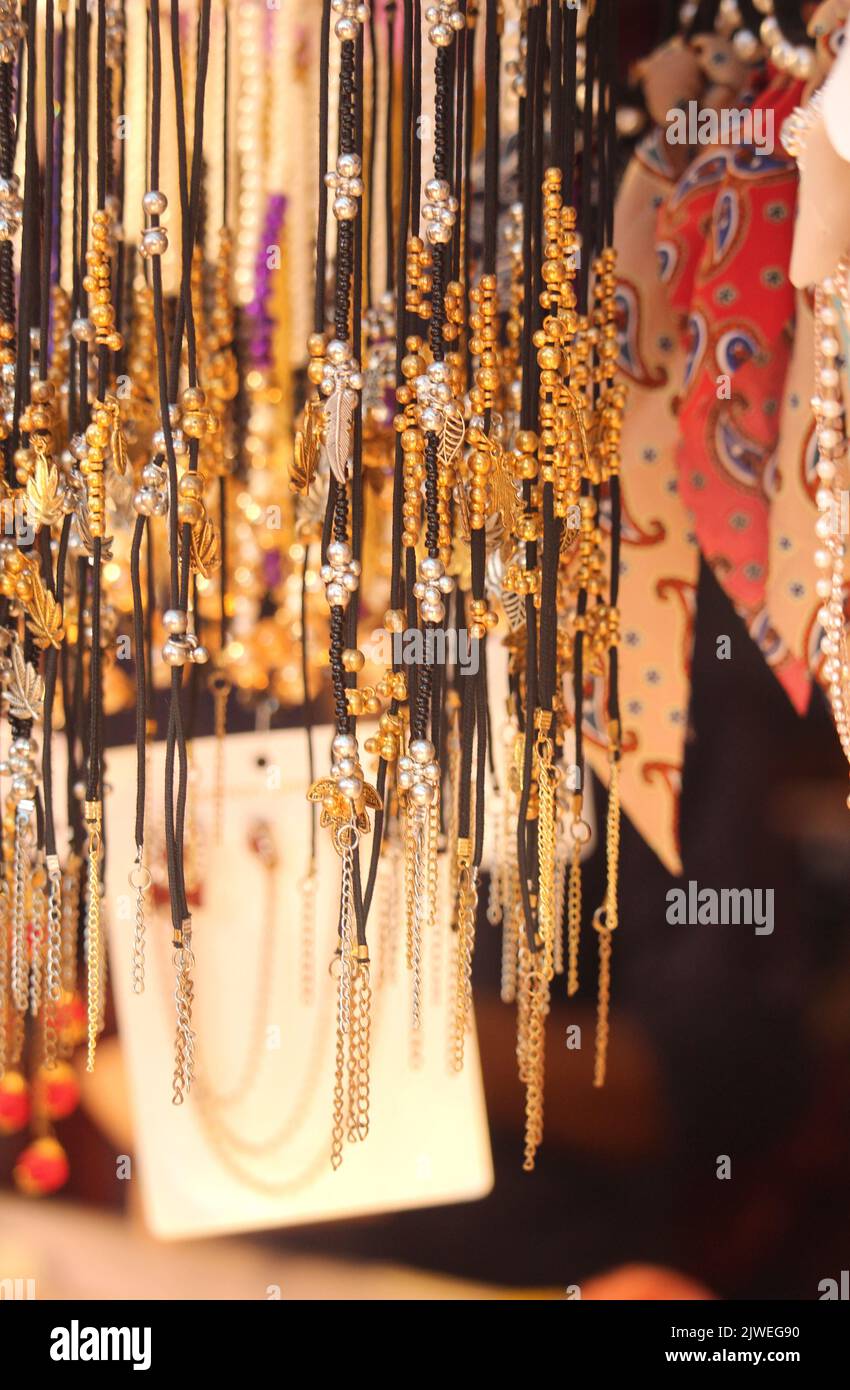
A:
x,y
339,431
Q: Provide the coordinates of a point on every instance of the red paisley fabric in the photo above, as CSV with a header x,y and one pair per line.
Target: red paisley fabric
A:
x,y
724,243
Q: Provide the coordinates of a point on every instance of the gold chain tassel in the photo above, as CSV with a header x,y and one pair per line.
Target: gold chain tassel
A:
x,y
359,1048
546,780
606,920
38,938
139,879
417,875
435,926
53,960
21,884
94,822
184,996
4,977
467,903
580,834
560,888
345,839
535,988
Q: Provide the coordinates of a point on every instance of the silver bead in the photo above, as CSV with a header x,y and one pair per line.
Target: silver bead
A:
x,y
348,166
421,793
154,242
23,787
338,351
143,501
339,553
440,372
344,746
421,750
441,35
431,568
200,654
83,330
154,202
438,234
351,787
336,595
175,652
175,620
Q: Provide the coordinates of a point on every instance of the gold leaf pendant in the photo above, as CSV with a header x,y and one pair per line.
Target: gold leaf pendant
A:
x,y
43,614
44,491
26,687
205,551
308,447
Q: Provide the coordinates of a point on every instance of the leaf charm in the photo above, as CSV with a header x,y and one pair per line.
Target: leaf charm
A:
x,y
451,437
504,496
513,607
44,616
462,501
308,447
205,552
81,518
569,536
339,431
44,494
118,444
26,687
120,457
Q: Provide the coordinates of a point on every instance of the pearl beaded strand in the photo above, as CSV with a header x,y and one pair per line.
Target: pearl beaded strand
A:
x,y
832,452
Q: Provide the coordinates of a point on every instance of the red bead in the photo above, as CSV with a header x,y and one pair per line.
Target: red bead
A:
x,y
57,1091
14,1103
42,1167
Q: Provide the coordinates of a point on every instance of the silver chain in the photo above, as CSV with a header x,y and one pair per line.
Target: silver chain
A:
x,y
139,878
19,923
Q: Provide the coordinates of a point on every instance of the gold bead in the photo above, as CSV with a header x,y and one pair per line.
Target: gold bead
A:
x,y
353,659
190,511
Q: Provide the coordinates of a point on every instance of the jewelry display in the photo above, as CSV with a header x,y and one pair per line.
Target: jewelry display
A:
x,y
314,369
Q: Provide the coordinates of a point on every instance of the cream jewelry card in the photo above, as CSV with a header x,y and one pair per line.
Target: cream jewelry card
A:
x,y
250,1147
